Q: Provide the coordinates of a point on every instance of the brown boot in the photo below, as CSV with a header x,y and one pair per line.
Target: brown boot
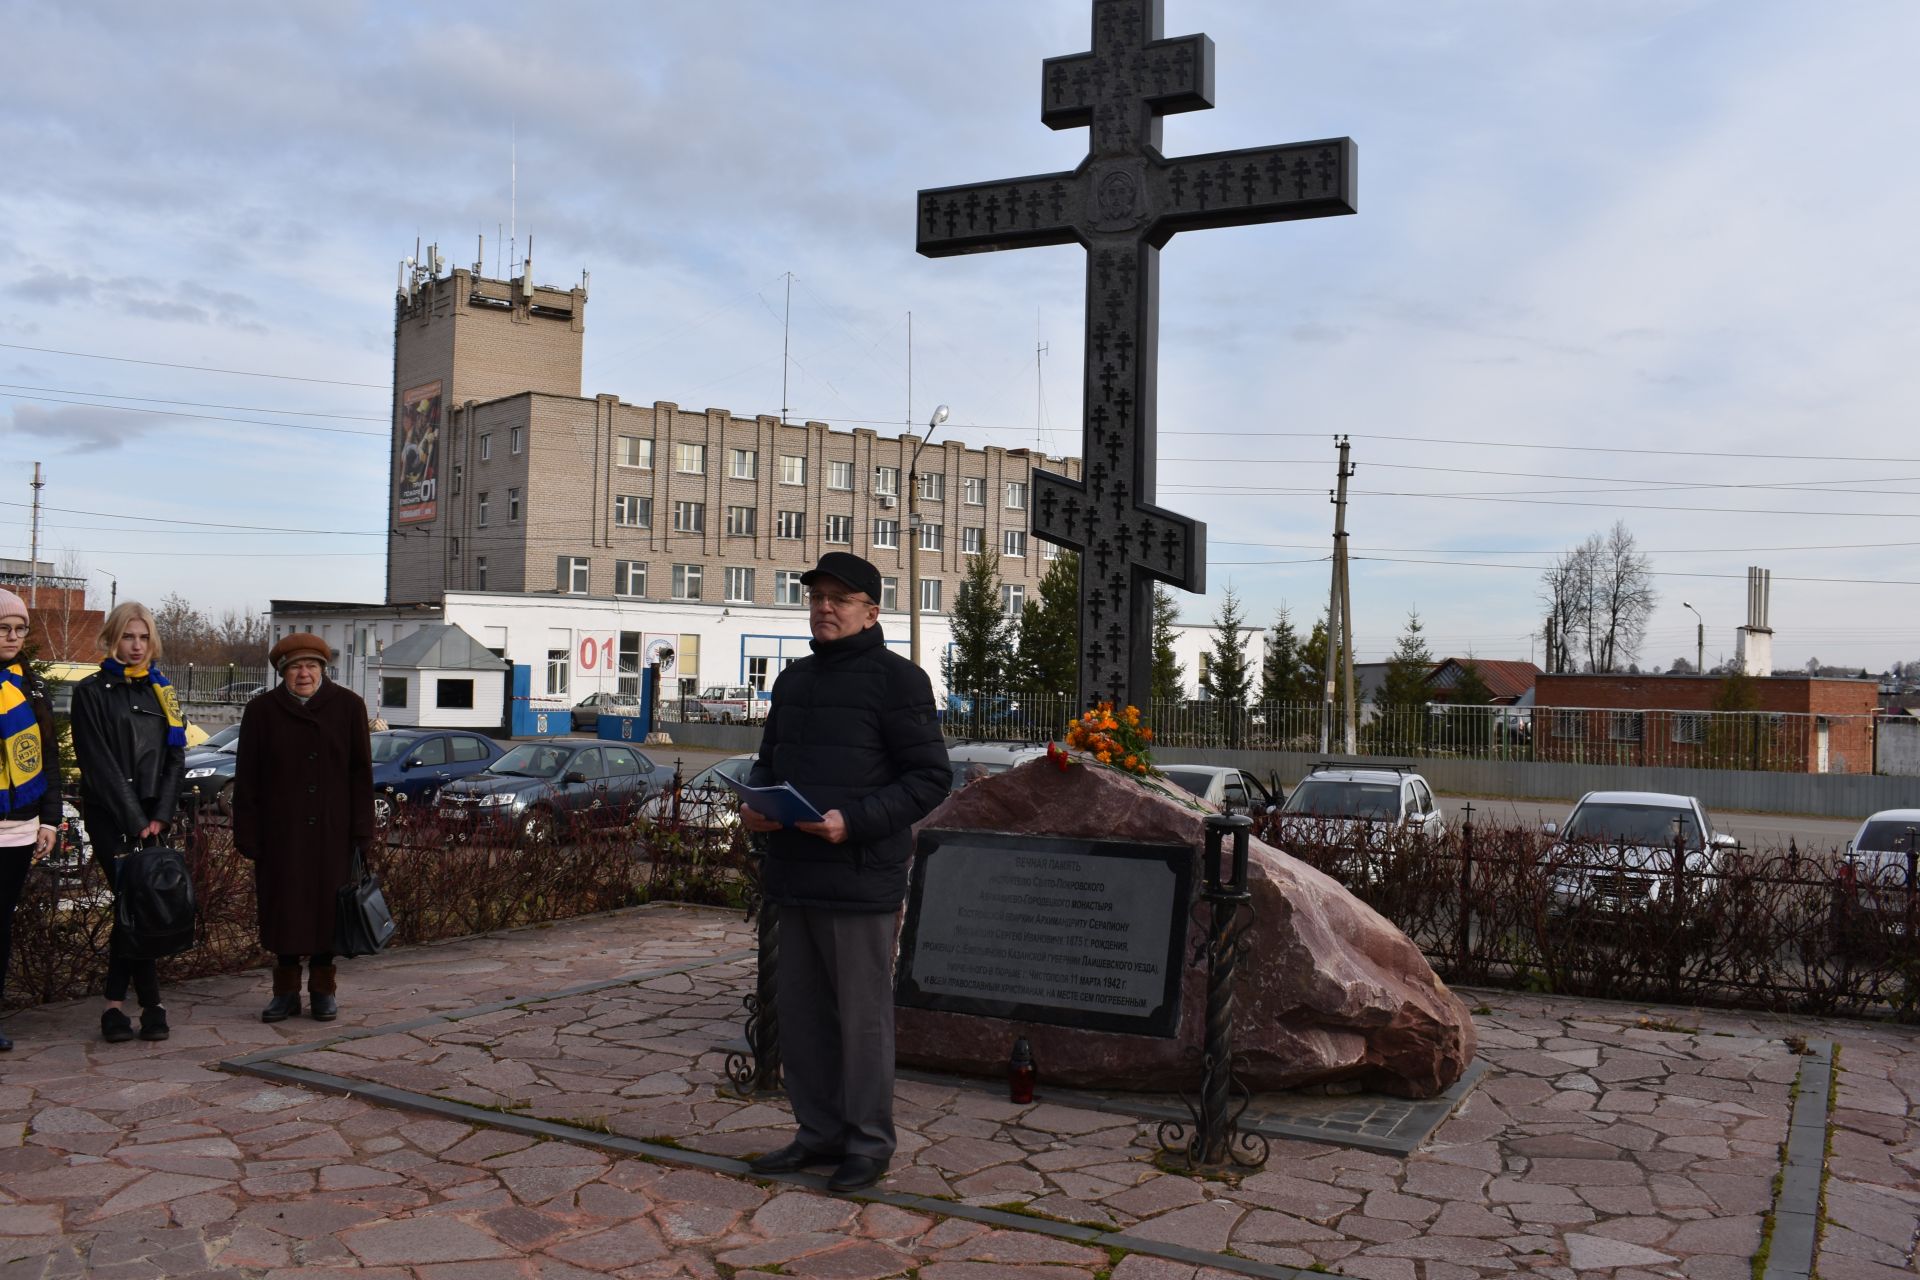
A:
x,y
286,994
320,989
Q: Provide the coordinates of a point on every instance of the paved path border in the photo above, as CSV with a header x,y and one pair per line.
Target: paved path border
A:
x,y
1796,1210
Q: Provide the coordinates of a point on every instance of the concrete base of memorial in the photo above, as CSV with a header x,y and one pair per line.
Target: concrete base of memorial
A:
x,y
1327,992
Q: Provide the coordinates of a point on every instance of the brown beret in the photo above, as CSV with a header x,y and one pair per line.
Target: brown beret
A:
x,y
301,644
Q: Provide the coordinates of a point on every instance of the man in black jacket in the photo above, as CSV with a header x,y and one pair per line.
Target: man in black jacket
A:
x,y
852,728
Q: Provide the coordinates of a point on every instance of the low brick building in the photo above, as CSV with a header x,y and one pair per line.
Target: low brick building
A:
x,y
64,628
1798,724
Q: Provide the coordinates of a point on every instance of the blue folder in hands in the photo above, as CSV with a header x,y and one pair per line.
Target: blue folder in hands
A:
x,y
781,803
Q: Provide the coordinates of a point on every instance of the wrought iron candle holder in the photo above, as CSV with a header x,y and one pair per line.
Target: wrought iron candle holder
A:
x,y
1212,1138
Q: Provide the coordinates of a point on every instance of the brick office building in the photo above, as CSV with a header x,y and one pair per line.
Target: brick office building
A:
x,y
505,478
1799,724
64,628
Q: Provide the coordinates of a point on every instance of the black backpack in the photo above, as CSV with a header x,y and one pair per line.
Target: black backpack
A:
x,y
154,904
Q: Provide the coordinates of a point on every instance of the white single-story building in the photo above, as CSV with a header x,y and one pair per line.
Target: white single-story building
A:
x,y
439,677
562,648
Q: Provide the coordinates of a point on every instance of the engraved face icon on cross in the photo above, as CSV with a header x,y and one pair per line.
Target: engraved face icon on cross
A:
x,y
1122,204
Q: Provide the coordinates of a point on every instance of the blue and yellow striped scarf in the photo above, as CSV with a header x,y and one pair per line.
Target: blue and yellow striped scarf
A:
x,y
162,690
19,743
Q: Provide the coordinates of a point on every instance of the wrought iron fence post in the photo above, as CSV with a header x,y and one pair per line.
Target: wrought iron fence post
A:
x,y
1213,1138
758,1069
1466,889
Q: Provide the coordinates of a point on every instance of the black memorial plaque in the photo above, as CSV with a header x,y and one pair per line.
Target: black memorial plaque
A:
x,y
1077,933
1122,204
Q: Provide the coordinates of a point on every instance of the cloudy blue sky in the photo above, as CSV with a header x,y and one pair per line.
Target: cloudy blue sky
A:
x,y
1615,259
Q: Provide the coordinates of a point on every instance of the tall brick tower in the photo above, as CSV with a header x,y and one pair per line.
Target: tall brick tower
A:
x,y
460,340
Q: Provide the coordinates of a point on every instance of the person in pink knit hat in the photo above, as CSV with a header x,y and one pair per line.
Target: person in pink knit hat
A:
x,y
29,773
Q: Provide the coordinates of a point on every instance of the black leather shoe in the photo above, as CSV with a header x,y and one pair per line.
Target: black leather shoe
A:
x,y
323,1008
792,1158
856,1172
115,1027
153,1023
280,1008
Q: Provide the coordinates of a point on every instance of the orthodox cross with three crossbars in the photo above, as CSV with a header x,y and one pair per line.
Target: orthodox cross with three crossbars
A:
x,y
1122,203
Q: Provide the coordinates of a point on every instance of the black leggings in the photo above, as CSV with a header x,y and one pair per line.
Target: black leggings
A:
x,y
14,861
318,960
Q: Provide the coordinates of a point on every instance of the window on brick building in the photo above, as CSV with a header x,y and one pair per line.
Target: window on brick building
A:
x,y
790,524
458,474
629,577
480,505
933,487
886,482
632,511
636,451
1689,728
889,593
516,439
479,573
513,505
686,582
1013,598
740,521
559,672
690,459
787,588
1570,726
689,517
933,537
929,595
793,468
839,475
886,533
1625,726
839,530
973,491
973,540
1013,542
738,585
743,464
1016,495
570,575
1051,551
486,445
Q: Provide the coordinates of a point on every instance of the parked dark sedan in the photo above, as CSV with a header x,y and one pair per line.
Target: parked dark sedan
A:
x,y
539,791
411,765
209,769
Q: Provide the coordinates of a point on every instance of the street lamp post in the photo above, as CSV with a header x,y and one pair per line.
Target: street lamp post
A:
x,y
113,597
1699,640
913,535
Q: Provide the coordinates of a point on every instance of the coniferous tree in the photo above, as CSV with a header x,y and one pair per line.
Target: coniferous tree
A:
x,y
1048,661
1286,673
1227,679
982,633
1402,696
1169,673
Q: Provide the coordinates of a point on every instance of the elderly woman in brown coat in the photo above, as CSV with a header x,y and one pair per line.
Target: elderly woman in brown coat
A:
x,y
302,808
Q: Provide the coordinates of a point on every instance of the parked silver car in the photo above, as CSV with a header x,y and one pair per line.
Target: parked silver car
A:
x,y
1228,789
1875,883
1616,851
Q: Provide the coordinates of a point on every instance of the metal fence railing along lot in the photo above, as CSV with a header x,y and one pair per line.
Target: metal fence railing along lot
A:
x,y
1748,740
1772,928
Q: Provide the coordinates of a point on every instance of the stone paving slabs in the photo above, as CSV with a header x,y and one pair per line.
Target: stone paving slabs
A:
x,y
1604,1139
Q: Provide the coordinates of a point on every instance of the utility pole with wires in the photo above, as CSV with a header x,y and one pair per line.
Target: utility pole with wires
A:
x,y
786,325
1039,394
33,555
1339,617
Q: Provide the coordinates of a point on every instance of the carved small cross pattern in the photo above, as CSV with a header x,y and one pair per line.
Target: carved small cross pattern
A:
x,y
1122,203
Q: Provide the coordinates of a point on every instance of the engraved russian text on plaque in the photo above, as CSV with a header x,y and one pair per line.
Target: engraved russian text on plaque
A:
x,y
1078,933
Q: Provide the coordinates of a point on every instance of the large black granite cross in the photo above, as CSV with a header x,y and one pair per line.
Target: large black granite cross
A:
x,y
1122,203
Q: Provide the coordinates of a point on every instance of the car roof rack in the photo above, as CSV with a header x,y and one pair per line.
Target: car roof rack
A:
x,y
1360,765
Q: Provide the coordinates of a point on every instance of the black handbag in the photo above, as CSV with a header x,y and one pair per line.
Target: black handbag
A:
x,y
153,903
362,924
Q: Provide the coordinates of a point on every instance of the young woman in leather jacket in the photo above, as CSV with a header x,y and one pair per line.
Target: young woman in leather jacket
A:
x,y
130,741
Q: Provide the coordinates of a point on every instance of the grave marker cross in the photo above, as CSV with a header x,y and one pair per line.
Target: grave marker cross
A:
x,y
1122,203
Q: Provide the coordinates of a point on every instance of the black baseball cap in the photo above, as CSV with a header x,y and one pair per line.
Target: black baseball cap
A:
x,y
848,568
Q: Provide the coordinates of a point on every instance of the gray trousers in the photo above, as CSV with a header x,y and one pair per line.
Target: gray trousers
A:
x,y
836,1027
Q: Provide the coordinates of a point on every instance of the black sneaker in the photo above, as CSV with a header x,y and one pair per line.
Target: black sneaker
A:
x,y
115,1027
153,1023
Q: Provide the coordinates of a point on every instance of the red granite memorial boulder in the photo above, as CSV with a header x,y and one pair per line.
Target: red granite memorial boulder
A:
x,y
1328,991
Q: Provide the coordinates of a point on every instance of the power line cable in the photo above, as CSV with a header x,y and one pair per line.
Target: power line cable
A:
x,y
197,417
197,368
195,404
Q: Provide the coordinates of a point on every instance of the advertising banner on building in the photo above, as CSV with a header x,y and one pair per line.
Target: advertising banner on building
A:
x,y
417,498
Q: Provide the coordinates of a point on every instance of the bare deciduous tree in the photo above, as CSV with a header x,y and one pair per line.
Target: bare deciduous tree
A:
x,y
1599,597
